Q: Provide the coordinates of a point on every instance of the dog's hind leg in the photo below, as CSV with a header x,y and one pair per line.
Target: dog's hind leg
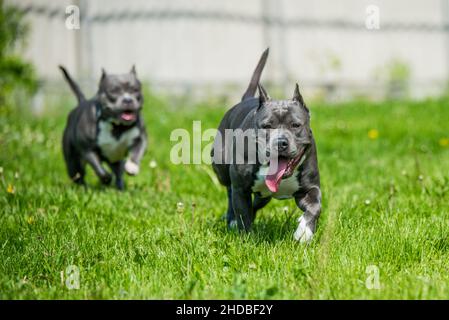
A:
x,y
76,170
75,167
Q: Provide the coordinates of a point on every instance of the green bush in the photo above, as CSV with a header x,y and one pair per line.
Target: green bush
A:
x,y
16,75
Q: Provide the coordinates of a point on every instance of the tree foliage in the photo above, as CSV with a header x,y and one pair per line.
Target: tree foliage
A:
x,y
15,73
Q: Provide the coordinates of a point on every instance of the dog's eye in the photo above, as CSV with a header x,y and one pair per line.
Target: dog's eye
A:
x,y
266,126
296,125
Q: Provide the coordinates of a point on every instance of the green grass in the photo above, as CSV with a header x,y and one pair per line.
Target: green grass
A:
x,y
385,203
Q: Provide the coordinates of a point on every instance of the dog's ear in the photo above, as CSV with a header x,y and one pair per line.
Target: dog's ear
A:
x,y
102,78
133,70
298,97
263,95
103,75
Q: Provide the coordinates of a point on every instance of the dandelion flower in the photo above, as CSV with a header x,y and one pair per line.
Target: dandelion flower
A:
x,y
373,134
153,164
444,142
180,207
10,189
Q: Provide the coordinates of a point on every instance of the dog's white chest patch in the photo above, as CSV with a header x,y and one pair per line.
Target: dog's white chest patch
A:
x,y
286,189
115,149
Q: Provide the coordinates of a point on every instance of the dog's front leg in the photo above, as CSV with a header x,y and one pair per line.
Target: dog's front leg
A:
x,y
243,208
136,154
118,168
310,203
92,158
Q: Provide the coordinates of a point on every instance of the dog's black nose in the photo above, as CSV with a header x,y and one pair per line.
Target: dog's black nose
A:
x,y
282,144
127,100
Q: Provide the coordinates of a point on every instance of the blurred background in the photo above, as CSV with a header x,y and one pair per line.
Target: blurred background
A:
x,y
204,48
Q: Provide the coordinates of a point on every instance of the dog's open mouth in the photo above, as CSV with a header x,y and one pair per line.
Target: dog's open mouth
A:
x,y
128,115
283,169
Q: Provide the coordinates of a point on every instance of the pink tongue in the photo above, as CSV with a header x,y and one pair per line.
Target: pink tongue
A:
x,y
272,181
127,116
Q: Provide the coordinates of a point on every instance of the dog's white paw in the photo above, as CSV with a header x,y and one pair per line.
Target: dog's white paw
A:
x,y
131,168
303,234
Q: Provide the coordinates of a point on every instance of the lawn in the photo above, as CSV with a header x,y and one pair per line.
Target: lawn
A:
x,y
385,184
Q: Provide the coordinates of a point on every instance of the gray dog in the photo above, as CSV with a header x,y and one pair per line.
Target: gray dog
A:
x,y
107,128
278,160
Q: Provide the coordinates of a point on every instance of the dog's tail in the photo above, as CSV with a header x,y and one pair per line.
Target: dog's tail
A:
x,y
73,85
251,91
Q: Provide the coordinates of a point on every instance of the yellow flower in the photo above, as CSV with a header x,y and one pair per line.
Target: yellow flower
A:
x,y
373,134
30,220
444,142
10,189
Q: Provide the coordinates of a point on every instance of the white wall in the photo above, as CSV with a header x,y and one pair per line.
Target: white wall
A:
x,y
207,53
